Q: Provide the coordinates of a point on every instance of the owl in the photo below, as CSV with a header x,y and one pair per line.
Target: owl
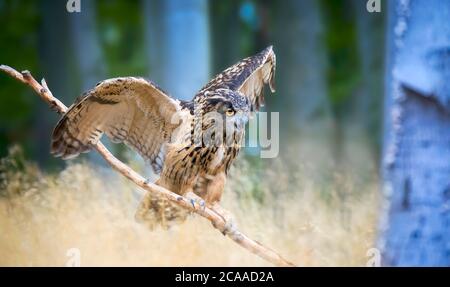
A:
x,y
190,145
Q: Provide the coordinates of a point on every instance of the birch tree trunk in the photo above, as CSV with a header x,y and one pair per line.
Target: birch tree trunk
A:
x,y
416,228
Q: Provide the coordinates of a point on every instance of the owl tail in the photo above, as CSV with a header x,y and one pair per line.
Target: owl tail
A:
x,y
154,211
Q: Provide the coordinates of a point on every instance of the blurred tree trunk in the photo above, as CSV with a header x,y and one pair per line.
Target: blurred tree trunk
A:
x,y
416,229
365,111
177,39
88,55
68,46
226,39
86,47
301,62
54,50
178,45
301,82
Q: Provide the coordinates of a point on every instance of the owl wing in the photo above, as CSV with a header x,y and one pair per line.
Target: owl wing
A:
x,y
248,76
130,110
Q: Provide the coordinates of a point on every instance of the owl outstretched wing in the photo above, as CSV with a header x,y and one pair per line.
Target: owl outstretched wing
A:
x,y
129,110
249,77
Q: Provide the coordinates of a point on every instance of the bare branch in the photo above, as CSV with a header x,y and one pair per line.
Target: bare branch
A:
x,y
251,245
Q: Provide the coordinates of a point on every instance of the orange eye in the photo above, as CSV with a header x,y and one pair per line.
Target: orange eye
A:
x,y
230,112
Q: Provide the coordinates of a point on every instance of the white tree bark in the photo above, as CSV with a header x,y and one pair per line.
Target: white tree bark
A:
x,y
416,226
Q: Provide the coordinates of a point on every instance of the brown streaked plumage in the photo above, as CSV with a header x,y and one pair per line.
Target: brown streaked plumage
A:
x,y
191,145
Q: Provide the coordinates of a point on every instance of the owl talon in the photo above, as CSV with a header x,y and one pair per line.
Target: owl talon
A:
x,y
230,227
203,205
195,201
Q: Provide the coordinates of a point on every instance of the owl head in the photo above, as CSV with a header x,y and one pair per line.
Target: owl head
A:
x,y
222,112
232,105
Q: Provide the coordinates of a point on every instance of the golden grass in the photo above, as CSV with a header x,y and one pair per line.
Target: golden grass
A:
x,y
310,222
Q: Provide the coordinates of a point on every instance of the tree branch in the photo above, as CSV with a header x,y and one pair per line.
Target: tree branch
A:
x,y
251,245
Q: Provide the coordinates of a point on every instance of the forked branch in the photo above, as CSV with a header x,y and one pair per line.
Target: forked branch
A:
x,y
251,245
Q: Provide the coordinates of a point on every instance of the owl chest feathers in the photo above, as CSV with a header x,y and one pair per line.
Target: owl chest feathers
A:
x,y
187,159
217,158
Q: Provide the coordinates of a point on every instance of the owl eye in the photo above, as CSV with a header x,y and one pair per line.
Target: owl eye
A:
x,y
229,112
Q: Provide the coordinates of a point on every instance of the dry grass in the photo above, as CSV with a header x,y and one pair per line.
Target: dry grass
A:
x,y
325,222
